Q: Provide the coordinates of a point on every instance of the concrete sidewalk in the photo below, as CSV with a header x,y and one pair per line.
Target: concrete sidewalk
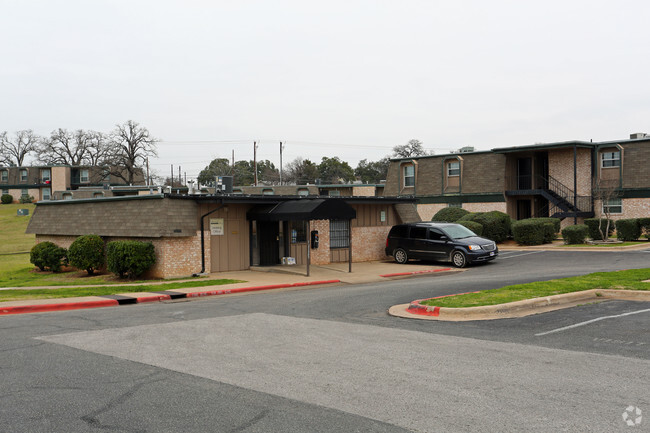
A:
x,y
256,279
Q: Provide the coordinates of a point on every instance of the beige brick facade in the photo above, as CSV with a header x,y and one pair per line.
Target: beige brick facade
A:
x,y
369,243
427,211
560,166
631,207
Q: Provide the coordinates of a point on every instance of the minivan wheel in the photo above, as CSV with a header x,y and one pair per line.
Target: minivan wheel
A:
x,y
400,256
458,259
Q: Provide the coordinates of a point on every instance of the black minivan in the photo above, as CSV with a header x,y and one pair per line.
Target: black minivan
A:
x,y
440,242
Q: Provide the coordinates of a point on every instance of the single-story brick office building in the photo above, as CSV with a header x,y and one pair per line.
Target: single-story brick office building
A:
x,y
218,233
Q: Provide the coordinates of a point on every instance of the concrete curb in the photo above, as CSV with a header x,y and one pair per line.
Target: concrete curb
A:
x,y
527,307
427,271
142,297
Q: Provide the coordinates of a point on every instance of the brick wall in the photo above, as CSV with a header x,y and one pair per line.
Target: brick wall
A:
x,y
427,211
175,257
635,157
485,207
368,243
632,208
560,166
321,255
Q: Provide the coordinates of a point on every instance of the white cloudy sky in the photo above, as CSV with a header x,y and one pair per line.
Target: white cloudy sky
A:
x,y
331,78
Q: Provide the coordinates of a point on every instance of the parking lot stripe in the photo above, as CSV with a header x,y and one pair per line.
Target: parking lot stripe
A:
x,y
519,255
591,321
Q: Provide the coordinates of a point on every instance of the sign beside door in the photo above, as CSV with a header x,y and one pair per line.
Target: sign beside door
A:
x,y
216,226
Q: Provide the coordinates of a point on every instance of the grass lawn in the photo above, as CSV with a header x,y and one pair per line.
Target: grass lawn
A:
x,y
70,292
629,280
12,229
622,244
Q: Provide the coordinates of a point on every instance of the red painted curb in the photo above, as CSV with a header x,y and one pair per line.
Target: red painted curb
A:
x,y
416,307
155,298
428,271
256,288
20,309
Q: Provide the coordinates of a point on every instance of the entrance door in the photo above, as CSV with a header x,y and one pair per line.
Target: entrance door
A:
x,y
524,210
269,238
524,173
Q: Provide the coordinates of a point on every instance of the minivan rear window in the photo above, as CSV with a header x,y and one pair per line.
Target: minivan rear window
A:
x,y
418,232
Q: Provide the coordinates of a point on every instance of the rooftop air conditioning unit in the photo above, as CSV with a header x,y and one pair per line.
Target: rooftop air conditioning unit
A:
x,y
638,135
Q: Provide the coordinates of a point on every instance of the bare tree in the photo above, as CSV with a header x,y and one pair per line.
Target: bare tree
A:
x,y
131,145
14,150
63,147
98,148
604,191
411,149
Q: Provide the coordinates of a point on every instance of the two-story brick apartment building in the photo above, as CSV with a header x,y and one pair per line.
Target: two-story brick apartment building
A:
x,y
41,182
565,179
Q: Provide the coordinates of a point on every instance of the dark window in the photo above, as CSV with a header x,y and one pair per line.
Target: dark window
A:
x,y
398,232
4,175
435,234
339,234
298,232
418,232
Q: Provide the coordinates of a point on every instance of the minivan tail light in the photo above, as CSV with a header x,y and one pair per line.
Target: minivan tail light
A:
x,y
386,241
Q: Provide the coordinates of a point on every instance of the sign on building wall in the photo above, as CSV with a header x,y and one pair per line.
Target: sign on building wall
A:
x,y
216,226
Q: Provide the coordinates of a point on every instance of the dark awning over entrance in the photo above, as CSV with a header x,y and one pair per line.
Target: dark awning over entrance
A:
x,y
303,209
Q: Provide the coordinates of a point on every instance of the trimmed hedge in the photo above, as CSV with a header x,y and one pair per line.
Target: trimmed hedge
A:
x,y
644,223
25,199
87,253
473,226
594,233
532,231
628,229
555,221
449,214
48,255
130,258
575,234
7,199
496,225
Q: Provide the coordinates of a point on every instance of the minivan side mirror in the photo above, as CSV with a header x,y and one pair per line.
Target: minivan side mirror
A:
x,y
443,238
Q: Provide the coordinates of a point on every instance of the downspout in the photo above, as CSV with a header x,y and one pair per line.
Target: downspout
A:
x,y
575,184
203,239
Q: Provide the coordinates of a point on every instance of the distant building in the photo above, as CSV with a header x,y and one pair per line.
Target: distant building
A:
x,y
560,180
57,181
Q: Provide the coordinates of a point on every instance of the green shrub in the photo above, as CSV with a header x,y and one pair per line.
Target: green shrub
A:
x,y
473,226
628,229
644,223
130,258
25,199
48,255
7,199
555,221
87,253
575,234
594,232
471,216
449,214
496,225
533,231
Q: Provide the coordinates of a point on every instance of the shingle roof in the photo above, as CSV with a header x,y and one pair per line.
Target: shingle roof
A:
x,y
144,216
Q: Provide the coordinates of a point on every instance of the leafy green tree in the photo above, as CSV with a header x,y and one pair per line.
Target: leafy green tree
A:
x,y
217,167
333,170
373,171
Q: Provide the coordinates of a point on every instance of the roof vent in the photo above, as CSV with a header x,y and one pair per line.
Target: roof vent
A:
x,y
638,135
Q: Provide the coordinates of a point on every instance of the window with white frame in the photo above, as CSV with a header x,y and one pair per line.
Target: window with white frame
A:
x,y
5,190
46,174
339,234
4,175
303,191
23,175
409,175
67,196
453,168
98,194
46,193
334,193
83,175
613,205
610,159
267,191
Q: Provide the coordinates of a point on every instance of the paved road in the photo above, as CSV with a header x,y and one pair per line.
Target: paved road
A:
x,y
331,359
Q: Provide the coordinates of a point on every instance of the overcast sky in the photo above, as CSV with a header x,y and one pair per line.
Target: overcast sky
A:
x,y
331,78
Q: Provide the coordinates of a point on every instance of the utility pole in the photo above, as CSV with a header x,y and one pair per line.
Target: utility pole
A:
x,y
180,179
148,180
281,148
172,178
255,161
232,169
